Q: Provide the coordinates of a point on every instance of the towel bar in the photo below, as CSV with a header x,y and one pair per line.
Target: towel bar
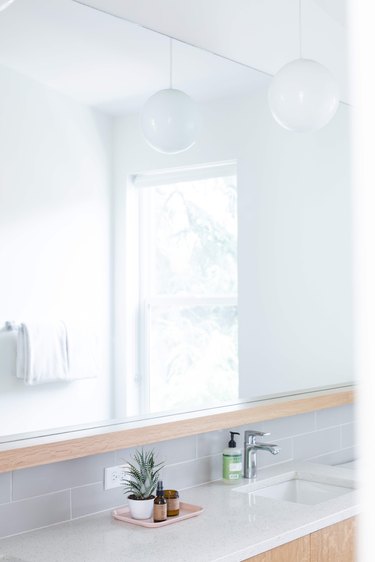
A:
x,y
11,326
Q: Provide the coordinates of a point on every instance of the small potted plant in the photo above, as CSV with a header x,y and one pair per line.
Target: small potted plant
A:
x,y
141,478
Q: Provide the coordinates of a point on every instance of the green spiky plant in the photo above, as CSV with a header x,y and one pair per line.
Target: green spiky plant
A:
x,y
142,476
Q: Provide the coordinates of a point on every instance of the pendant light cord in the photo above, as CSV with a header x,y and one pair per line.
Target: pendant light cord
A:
x,y
300,27
171,63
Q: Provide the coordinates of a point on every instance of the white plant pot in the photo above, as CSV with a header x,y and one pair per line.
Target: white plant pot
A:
x,y
141,509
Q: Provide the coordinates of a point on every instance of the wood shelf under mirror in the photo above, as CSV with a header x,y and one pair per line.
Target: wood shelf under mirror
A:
x,y
66,446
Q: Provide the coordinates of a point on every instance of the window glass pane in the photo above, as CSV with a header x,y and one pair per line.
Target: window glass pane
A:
x,y
193,356
194,237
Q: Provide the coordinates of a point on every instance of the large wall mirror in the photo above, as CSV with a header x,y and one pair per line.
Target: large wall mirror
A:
x,y
216,275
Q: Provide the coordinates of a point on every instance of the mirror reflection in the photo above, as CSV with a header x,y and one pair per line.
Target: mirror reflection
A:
x,y
135,281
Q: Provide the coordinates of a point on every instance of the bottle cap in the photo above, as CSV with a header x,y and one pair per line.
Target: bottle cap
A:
x,y
232,444
159,489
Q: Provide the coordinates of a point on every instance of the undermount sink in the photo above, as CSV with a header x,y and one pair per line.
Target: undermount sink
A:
x,y
297,489
302,491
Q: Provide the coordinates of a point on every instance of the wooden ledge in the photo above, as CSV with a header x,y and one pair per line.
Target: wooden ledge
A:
x,y
55,448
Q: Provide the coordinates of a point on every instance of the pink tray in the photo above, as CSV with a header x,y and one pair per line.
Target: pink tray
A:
x,y
187,510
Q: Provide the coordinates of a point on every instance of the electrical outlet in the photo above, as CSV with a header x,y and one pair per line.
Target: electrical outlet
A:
x,y
113,476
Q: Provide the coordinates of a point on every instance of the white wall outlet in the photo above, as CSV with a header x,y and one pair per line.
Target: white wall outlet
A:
x,y
114,475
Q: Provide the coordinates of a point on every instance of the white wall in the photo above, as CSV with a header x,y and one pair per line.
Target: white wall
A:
x,y
295,289
55,196
296,318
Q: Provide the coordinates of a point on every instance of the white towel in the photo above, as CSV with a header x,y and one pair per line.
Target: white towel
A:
x,y
42,352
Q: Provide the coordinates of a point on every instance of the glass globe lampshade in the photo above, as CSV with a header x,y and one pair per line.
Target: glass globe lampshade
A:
x,y
303,96
169,121
4,4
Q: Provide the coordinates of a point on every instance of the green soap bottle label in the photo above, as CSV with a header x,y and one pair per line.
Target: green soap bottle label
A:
x,y
232,467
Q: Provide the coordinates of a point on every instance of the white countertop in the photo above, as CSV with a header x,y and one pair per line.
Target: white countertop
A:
x,y
232,527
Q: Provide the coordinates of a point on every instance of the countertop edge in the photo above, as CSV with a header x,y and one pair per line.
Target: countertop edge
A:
x,y
289,536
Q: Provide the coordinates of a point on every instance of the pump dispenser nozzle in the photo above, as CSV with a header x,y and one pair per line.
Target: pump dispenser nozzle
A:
x,y
232,444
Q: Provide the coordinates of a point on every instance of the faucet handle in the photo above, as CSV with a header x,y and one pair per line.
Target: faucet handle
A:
x,y
252,434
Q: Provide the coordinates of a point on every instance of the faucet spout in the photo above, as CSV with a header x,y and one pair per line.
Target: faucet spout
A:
x,y
250,452
273,449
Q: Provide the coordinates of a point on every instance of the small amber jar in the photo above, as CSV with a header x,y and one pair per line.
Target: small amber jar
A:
x,y
173,502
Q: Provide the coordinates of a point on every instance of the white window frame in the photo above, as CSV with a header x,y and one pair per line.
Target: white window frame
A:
x,y
138,334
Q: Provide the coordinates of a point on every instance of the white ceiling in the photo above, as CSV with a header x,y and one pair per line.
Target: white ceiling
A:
x,y
336,9
107,62
261,33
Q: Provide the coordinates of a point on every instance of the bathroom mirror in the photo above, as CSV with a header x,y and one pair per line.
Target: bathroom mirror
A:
x,y
217,275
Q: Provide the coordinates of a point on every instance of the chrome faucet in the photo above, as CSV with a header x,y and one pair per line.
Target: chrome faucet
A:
x,y
250,452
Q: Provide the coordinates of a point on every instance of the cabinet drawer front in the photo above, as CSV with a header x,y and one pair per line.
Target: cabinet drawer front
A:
x,y
295,551
337,542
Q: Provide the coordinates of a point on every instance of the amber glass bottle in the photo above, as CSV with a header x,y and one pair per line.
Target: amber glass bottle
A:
x,y
173,502
160,504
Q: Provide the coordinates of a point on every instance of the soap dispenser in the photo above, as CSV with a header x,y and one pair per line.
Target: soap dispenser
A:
x,y
232,460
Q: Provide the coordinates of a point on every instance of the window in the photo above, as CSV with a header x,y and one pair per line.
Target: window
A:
x,y
187,345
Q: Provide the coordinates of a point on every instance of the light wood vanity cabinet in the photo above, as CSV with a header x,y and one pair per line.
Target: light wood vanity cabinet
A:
x,y
295,551
336,543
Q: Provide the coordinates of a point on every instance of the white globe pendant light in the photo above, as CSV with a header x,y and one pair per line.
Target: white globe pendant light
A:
x,y
4,4
303,95
169,119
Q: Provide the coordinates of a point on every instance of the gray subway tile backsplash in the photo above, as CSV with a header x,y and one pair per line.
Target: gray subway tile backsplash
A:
x,y
46,495
287,427
214,442
33,513
93,498
317,443
171,452
192,473
336,457
335,416
348,435
60,476
5,487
